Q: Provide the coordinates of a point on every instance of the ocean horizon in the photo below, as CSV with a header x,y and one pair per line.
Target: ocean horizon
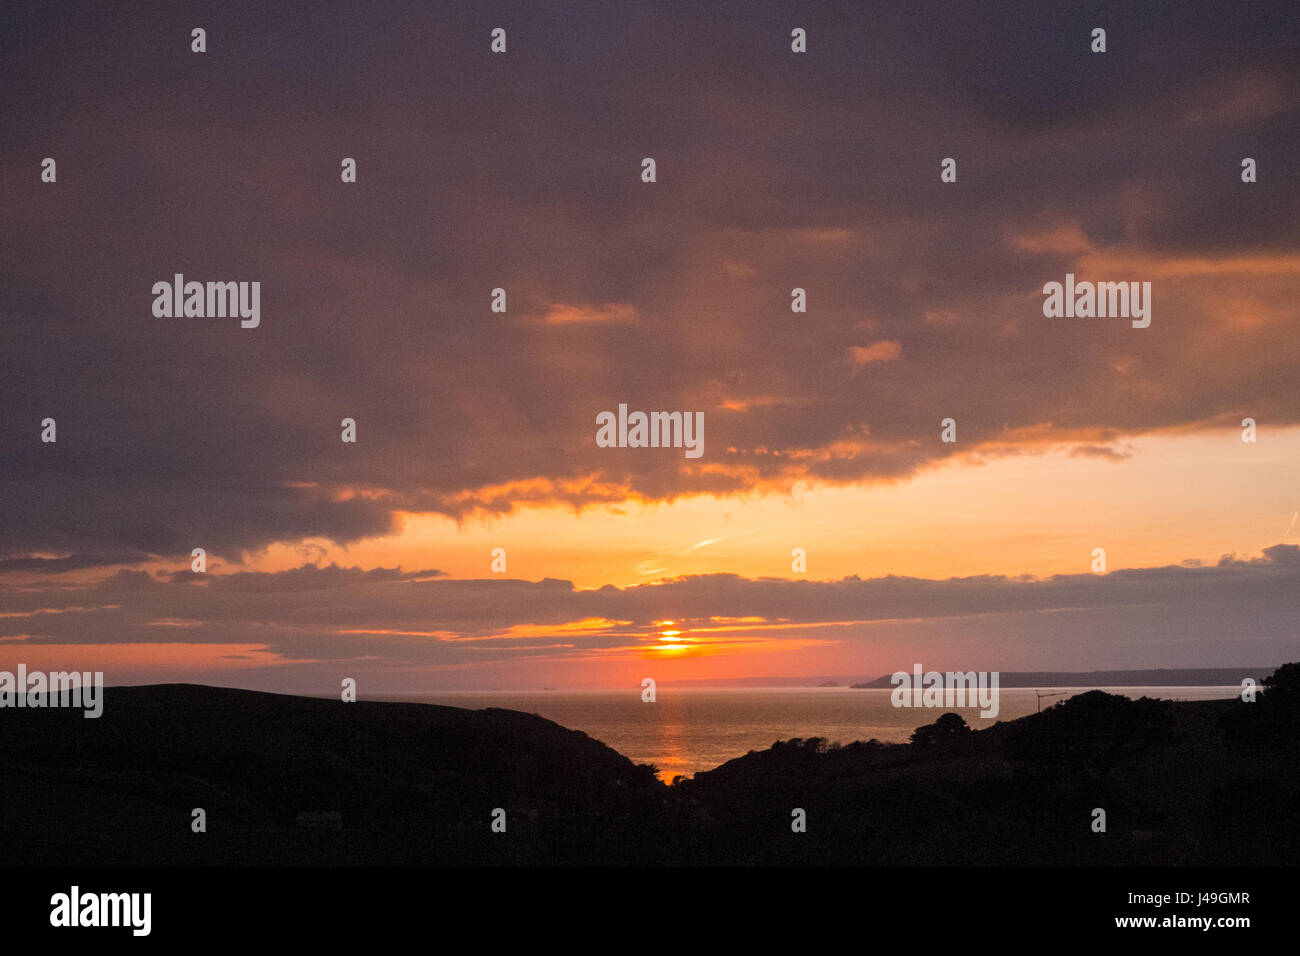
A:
x,y
691,729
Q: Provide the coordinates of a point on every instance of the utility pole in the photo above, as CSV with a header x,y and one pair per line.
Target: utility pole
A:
x,y
1041,695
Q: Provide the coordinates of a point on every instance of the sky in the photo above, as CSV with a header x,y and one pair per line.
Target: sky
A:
x,y
476,429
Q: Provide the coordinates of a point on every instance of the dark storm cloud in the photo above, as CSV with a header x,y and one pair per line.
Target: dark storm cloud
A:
x,y
73,562
521,171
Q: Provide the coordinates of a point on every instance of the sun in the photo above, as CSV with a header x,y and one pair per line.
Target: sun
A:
x,y
671,638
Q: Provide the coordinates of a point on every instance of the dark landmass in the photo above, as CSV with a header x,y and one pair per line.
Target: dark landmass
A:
x,y
823,680
1182,677
413,783
1181,783
1175,677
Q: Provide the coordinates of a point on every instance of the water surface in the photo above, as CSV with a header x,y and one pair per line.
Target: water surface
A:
x,y
687,730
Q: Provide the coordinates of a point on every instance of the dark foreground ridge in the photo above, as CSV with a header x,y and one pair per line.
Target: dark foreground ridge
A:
x,y
1186,783
412,783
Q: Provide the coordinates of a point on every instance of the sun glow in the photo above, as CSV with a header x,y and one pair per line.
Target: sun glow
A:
x,y
672,640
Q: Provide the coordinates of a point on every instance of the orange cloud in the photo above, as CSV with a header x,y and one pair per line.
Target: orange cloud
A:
x,y
560,314
884,351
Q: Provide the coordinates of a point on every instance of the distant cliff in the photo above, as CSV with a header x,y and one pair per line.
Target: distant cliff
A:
x,y
1189,677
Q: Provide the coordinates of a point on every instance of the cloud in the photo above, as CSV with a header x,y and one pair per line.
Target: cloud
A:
x,y
1240,611
570,314
708,541
875,352
775,171
72,562
1100,451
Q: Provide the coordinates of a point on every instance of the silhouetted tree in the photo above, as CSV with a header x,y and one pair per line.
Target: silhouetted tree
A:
x,y
1282,688
1273,718
1091,732
947,727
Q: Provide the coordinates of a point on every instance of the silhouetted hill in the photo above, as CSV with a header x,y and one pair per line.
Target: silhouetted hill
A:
x,y
1201,782
415,783
1205,782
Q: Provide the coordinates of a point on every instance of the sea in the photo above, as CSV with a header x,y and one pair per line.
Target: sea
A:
x,y
690,729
